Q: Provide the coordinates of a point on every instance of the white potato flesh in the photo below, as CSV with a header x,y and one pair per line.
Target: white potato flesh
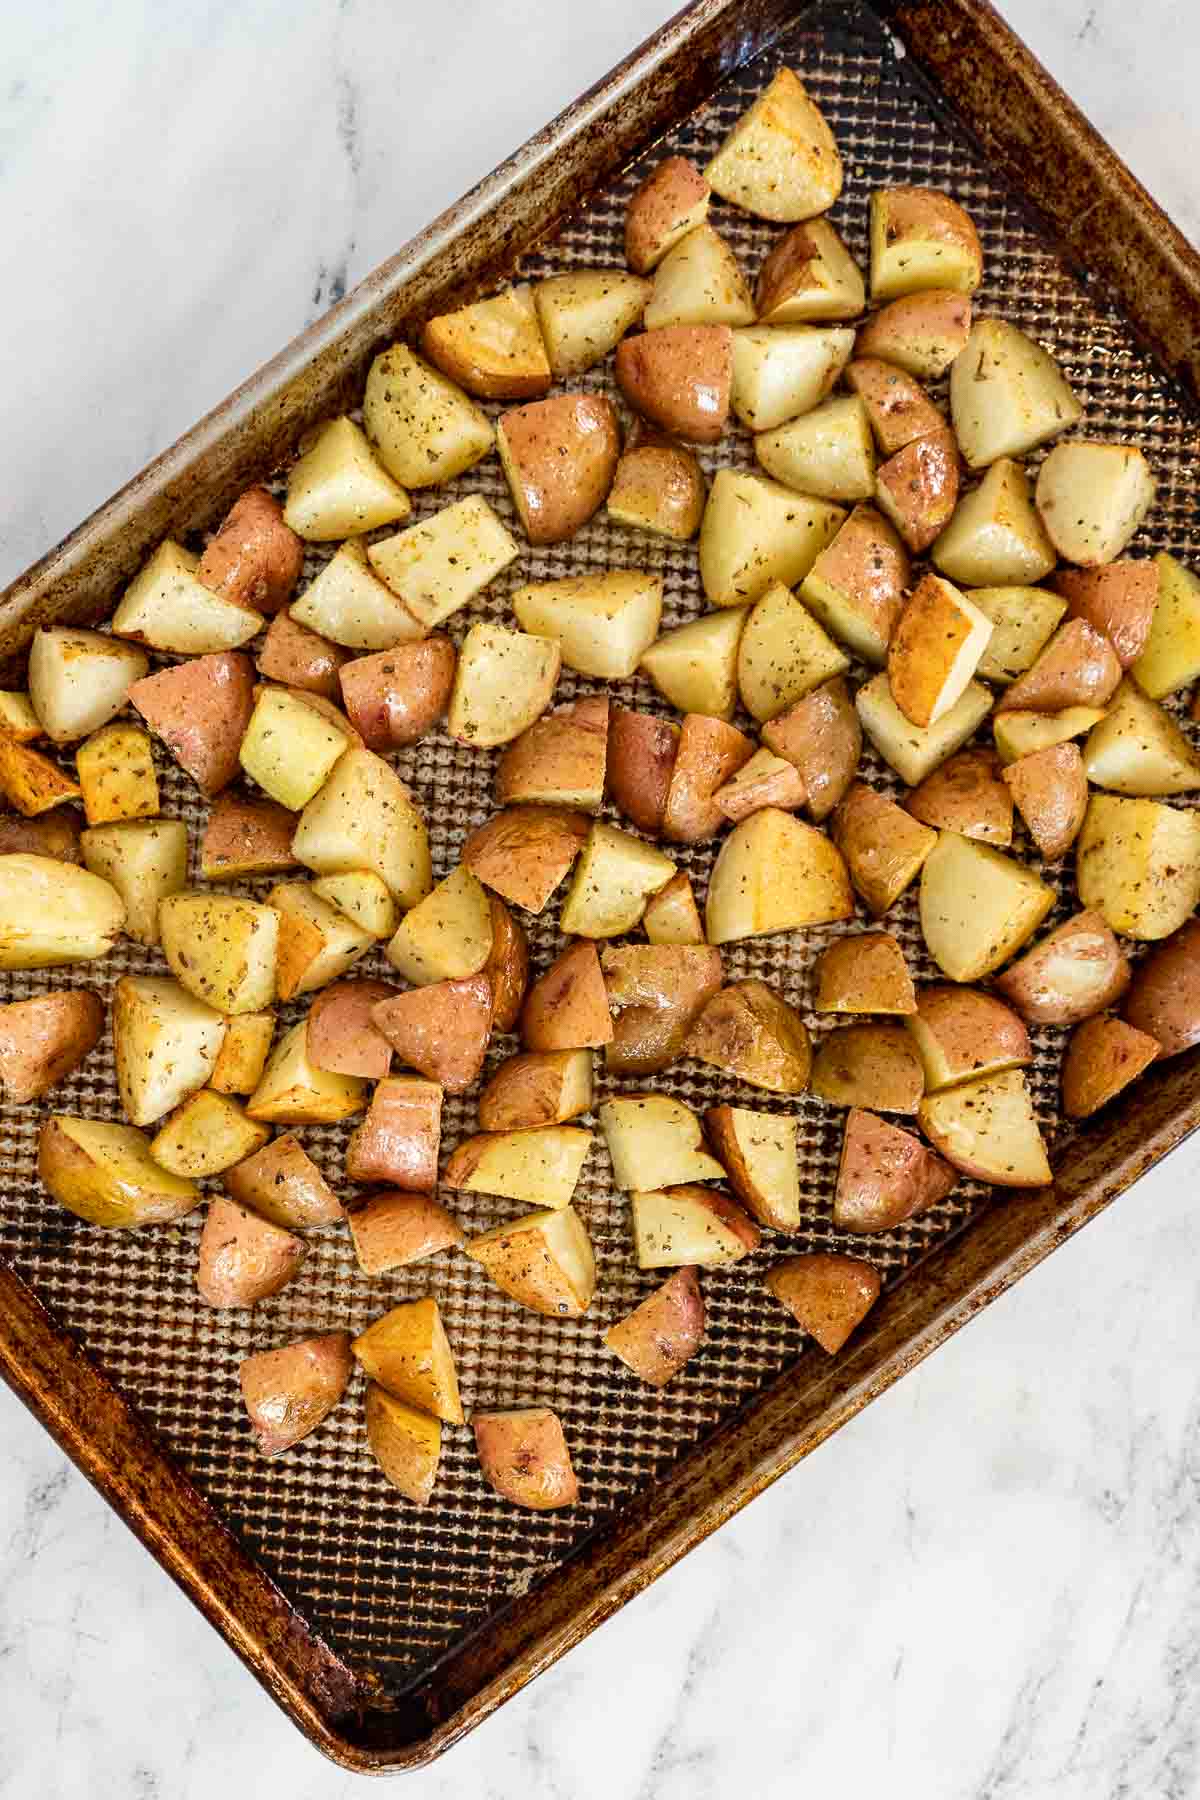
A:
x,y
316,944
977,906
52,912
289,748
988,1129
756,532
780,371
783,654
166,1043
820,281
423,428
445,561
921,238
914,751
603,623
676,1230
699,283
695,666
781,160
655,1141
349,605
145,860
1024,619
1137,863
614,877
1137,748
338,489
169,609
1007,395
503,681
365,818
584,315
995,538
448,936
1171,659
78,680
1092,499
221,948
828,452
775,873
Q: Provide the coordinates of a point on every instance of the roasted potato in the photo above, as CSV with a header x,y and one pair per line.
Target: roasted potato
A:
x,y
671,201
1171,658
246,836
168,607
45,1039
396,696
17,717
885,1175
390,1230
655,993
775,873
655,1141
543,1260
54,834
145,860
921,238
559,456
299,658
783,655
1024,619
1118,598
1078,667
78,681
289,749
116,774
780,371
243,1054
507,968
1023,733
856,585
342,1036
446,936
967,794
200,709
680,377
1051,791
603,624
935,650
30,781
695,665
560,760
613,879
546,1087
282,1182
523,1455
165,1045
337,489
873,1066
828,1295
685,1226
352,606
828,452
898,407
254,558
1080,969
708,754
493,348
524,852
977,907
540,1167
884,848
641,758
756,533
441,1030
408,1353
221,948
658,1337
917,489
567,1006
822,739
1164,997
52,912
293,1092
406,1443
289,1391
363,897
914,752
209,1132
864,972
809,275
751,1032
920,333
398,1141
1007,395
242,1258
105,1175
765,780
780,161
698,282
961,1033
1137,862
988,1129
444,561
584,314
365,818
759,1154
658,487
1092,499
423,428
995,538
1102,1058
1137,748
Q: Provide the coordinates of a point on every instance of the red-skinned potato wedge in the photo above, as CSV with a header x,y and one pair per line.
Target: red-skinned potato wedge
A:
x,y
105,1174
507,968
1078,667
921,238
709,752
898,407
30,781
342,1035
243,1053
1164,997
200,709
808,275
679,1226
960,1033
751,1032
52,912
759,1154
672,916
670,202
284,1185
524,852
872,1066
765,780
408,1353
391,1229
969,794
289,1391
921,333
917,489
45,1039
775,873
658,487
1080,969
246,835
493,348
827,1295
655,993
1118,598
935,650
1050,788
54,835
641,758
822,739
658,1337
243,1258
560,760
398,1141
856,586
884,848
680,377
254,559
523,1456
293,1092
988,1129
864,972
567,1006
441,1030
885,1176
300,658
394,697
560,456
537,1087
1102,1058
406,1443
542,1260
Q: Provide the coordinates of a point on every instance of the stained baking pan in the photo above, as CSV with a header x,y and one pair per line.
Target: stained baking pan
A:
x,y
386,1632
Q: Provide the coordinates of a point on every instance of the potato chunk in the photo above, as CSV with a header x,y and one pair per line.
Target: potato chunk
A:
x,y
543,1260
655,1141
504,682
1171,658
289,1391
1137,862
423,428
857,584
960,1032
864,972
441,1030
493,348
698,282
408,1353
350,605
52,912
145,860
208,1133
780,161
244,1259
282,1182
523,1455
759,1153
614,878
603,624
921,238
289,749
540,1166
671,201
337,489
679,377
914,751
221,948
827,1295
885,1176
1102,1058
755,533
1078,970
1007,395
658,1337
884,848
995,538
391,1230
752,1033
936,649
165,1044
559,457
1092,499
774,873
567,1006
583,315
447,935
988,1129
200,709
398,1141
365,818
106,1176
168,607
45,1039
977,906
79,680
809,275
783,654
406,1443
293,1091
560,760
685,1226
315,944
873,1066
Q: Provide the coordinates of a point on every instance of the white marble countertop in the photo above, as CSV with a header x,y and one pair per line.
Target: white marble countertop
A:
x,y
986,1587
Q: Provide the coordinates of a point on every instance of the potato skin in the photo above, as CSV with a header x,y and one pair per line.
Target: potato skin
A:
x,y
656,991
396,696
1102,1058
289,1391
441,1030
523,1455
246,835
886,1175
567,1006
560,456
54,834
709,754
659,487
1050,788
658,1337
827,1295
254,559
243,1258
751,1032
301,658
641,757
525,851
679,376
507,968
536,1088
200,709
1164,996
869,1065
962,1032
1080,969
966,794
282,1182
392,1229
1118,598
45,1039
821,736
918,488
104,1174
864,972
398,1140
342,1034
671,200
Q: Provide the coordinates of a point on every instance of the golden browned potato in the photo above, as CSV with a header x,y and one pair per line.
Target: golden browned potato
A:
x,y
389,1230
1137,748
242,1258
782,371
765,780
243,1053
671,201
78,681
658,487
342,1036
873,1066
221,948
294,1092
289,1391
655,1141
507,968
523,1455
398,1141
1102,1058
775,873
168,607
780,161
300,658
1093,498
1171,659
917,488
1078,667
441,1030
540,1167
921,238
822,738
915,751
828,1295
1118,598
365,818
493,348
560,456
655,993
52,912
30,781
408,1353
756,532
614,878
898,407
995,537
977,906
584,314
105,1174
885,1176
423,428
603,624
709,752
809,275
560,760
671,915
17,716
282,1182
1164,997
209,1132
658,1337
254,558
988,1129
165,1044
525,851
54,834
1080,969
396,696
883,846
537,1088
966,794
699,282
694,666
1138,863
567,1006
679,1226
1050,788
200,709
856,586
960,1032
116,774
406,1443
680,377
641,757
921,333
759,1154
246,836
751,1032
828,452
1007,395
446,936
783,654
543,1260
45,1039
864,972
935,650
